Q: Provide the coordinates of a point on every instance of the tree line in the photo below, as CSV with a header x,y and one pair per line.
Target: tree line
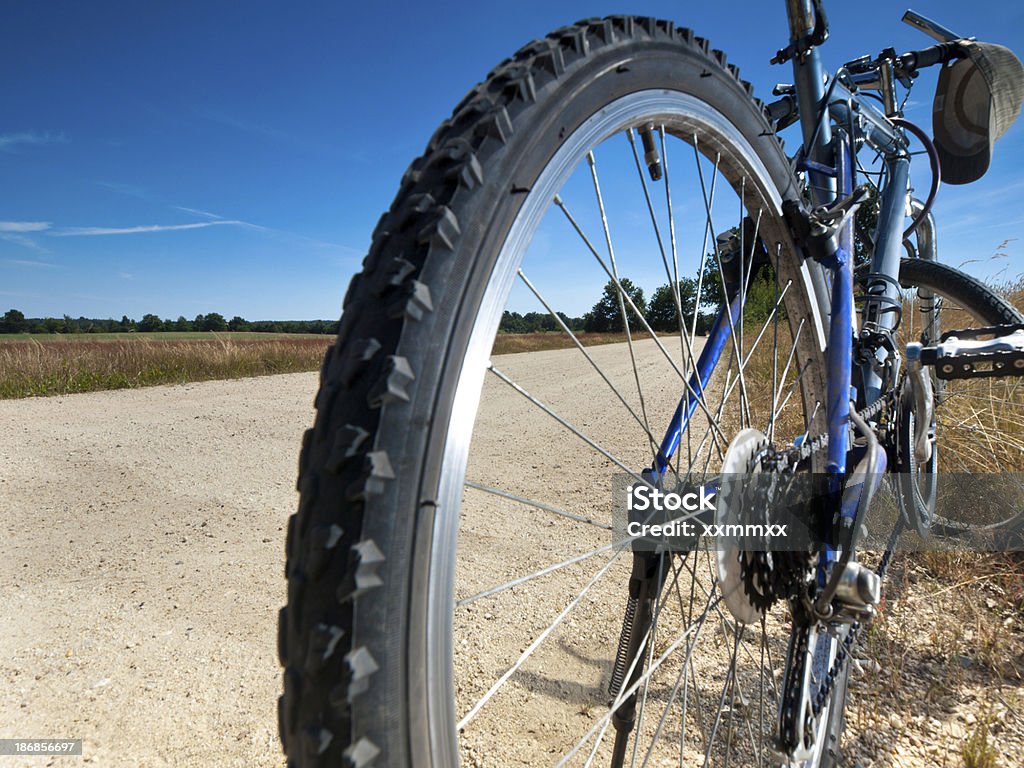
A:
x,y
14,321
698,305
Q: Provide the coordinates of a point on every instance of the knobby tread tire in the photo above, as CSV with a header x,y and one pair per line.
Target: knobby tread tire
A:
x,y
348,546
967,291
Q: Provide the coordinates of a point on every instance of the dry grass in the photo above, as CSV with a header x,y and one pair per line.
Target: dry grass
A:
x,y
507,343
58,368
977,752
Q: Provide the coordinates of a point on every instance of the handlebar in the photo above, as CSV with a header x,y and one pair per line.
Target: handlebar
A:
x,y
929,57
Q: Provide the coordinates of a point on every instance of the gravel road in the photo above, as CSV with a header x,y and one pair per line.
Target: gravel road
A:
x,y
142,567
142,573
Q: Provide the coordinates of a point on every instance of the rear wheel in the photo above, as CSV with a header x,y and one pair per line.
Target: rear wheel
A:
x,y
455,592
979,423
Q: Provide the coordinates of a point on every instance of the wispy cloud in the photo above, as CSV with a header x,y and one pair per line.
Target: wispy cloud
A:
x,y
210,220
10,142
29,263
217,218
94,231
15,232
197,212
130,190
24,226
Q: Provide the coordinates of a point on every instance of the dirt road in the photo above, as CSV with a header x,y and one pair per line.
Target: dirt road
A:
x,y
141,569
141,574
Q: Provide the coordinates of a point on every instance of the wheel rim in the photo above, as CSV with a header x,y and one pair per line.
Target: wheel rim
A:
x,y
679,114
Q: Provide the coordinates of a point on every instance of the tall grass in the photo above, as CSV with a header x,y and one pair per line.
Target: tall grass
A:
x,y
507,343
64,367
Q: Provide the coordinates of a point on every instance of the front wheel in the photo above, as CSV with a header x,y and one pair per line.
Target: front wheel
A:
x,y
455,587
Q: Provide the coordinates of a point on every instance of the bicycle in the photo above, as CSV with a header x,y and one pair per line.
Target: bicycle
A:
x,y
394,652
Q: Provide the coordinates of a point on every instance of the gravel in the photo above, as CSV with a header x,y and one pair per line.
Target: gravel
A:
x,y
142,573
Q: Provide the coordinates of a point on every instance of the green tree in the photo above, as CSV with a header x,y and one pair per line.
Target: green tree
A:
x,y
213,322
237,323
865,224
662,313
511,322
607,313
150,323
761,299
13,322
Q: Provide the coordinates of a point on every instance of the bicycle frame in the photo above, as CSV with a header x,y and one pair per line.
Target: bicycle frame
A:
x,y
828,154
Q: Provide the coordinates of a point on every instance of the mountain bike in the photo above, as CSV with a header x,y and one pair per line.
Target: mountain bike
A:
x,y
455,582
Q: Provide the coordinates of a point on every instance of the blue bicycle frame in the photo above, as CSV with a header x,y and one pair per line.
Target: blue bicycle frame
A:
x,y
834,121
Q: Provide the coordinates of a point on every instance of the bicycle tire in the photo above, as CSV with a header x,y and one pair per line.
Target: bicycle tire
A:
x,y
982,305
352,636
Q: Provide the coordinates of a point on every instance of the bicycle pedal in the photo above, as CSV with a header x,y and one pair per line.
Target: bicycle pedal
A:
x,y
972,353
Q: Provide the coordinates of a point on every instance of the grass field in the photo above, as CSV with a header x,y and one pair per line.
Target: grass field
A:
x,y
81,363
60,364
51,338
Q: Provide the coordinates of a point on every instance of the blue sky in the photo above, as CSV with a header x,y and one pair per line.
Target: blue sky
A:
x,y
180,158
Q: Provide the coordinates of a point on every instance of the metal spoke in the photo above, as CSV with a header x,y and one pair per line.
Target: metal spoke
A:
x,y
658,605
744,278
683,673
775,344
782,379
579,345
685,340
672,279
730,384
699,399
707,229
537,504
622,304
760,705
627,692
730,676
789,393
721,274
534,645
542,572
648,641
566,424
757,341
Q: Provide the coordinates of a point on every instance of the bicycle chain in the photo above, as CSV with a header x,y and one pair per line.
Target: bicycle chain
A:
x,y
788,461
792,457
838,664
